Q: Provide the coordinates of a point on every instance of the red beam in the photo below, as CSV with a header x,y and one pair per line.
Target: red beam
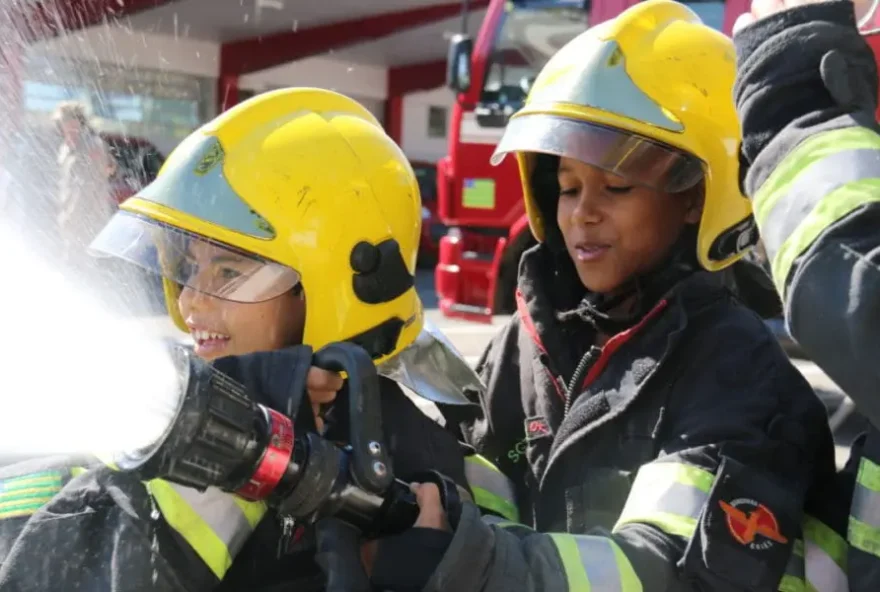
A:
x,y
46,19
411,78
259,53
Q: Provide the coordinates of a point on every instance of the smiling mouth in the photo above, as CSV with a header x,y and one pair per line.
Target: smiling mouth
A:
x,y
200,336
586,252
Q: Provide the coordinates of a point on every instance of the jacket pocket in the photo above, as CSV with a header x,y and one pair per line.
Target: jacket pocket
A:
x,y
746,531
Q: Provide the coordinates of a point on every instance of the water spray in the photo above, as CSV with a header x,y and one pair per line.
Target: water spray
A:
x,y
89,380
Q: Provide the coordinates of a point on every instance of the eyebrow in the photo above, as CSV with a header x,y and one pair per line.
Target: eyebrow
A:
x,y
217,258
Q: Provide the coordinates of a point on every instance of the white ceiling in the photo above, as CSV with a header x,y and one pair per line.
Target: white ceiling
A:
x,y
226,20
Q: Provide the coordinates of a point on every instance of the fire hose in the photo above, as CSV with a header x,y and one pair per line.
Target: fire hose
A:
x,y
221,437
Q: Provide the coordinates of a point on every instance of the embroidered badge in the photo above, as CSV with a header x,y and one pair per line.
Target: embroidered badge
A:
x,y
537,427
752,524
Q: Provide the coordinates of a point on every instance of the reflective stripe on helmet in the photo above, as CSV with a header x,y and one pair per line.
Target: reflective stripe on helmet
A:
x,y
595,563
492,490
823,180
214,523
667,495
864,519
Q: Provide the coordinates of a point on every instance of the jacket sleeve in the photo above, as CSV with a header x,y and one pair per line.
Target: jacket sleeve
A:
x,y
98,529
806,94
720,508
489,469
498,368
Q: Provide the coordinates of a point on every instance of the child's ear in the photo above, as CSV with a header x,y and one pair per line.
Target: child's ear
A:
x,y
694,213
696,198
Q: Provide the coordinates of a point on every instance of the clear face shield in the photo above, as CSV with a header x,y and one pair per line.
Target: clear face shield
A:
x,y
193,261
639,160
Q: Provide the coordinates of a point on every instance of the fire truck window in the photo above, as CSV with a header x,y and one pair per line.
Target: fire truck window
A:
x,y
437,122
529,35
427,179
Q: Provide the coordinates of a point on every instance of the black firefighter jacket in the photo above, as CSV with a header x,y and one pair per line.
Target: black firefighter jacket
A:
x,y
806,94
63,528
681,462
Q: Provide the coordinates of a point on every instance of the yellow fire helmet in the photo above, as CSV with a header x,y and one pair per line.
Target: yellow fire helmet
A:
x,y
295,186
647,96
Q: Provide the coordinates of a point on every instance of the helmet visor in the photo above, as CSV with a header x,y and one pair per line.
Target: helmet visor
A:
x,y
640,160
194,261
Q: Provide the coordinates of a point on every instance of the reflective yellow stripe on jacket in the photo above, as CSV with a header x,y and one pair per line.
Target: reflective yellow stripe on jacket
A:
x,y
670,496
591,563
667,495
492,490
24,495
818,561
595,563
825,178
864,519
214,523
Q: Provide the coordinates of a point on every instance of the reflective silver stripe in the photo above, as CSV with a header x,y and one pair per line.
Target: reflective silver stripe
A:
x,y
595,563
481,474
599,562
810,187
680,499
220,512
863,531
822,572
866,505
668,495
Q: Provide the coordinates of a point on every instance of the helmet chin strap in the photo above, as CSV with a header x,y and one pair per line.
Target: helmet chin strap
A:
x,y
644,290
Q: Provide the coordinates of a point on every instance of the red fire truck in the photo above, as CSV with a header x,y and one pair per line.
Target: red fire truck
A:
x,y
482,205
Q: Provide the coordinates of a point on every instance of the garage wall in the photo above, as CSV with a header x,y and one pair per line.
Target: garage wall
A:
x,y
133,49
365,82
148,60
426,117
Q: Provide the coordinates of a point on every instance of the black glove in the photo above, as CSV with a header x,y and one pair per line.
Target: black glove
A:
x,y
276,379
339,555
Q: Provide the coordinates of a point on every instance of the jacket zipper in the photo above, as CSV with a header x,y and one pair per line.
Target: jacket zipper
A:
x,y
287,526
580,372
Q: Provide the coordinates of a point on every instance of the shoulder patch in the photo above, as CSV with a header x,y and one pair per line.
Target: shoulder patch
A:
x,y
22,496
